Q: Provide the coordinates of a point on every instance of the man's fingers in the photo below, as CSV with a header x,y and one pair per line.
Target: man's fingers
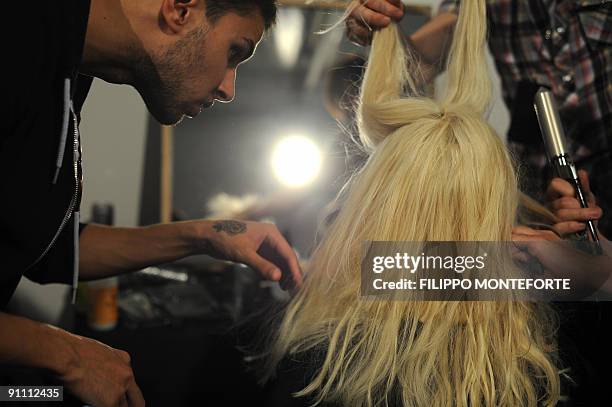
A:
x,y
559,188
522,230
519,239
370,18
371,15
282,248
358,33
565,202
581,214
387,8
583,176
565,228
267,269
536,245
134,396
518,253
124,356
522,240
525,231
397,3
523,244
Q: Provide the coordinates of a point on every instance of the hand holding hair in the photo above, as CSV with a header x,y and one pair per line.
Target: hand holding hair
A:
x,y
369,15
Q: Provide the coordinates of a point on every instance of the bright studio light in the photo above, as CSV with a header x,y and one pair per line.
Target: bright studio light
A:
x,y
288,35
296,161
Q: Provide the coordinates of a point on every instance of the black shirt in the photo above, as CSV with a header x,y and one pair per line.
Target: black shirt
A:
x,y
293,374
43,45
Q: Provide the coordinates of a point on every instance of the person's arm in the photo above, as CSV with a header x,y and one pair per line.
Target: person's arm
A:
x,y
98,374
107,251
47,348
587,272
431,41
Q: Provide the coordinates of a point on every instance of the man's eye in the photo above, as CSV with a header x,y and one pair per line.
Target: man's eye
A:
x,y
233,56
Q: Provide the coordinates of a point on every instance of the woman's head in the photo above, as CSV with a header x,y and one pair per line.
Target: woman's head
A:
x,y
445,176
436,172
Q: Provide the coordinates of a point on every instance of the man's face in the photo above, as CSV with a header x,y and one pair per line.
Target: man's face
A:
x,y
199,68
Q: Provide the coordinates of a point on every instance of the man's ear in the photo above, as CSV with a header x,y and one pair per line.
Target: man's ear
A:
x,y
178,15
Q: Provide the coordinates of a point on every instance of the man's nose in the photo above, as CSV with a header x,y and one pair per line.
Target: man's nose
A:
x,y
226,90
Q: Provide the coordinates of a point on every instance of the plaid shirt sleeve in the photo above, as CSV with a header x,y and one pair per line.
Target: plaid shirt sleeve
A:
x,y
448,6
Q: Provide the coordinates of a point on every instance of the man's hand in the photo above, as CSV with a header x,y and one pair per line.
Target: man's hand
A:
x,y
562,198
108,251
587,273
100,375
527,241
369,15
258,245
95,373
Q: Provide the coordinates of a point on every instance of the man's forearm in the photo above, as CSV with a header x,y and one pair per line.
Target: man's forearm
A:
x,y
432,42
31,344
108,251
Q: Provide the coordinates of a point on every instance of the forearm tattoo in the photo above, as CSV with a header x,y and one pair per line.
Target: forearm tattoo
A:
x,y
231,227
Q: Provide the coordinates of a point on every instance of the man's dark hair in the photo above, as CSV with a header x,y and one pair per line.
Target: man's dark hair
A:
x,y
215,9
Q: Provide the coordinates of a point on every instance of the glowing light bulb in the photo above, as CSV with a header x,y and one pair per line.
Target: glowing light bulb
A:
x,y
296,160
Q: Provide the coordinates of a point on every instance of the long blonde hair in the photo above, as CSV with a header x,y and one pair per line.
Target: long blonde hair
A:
x,y
437,172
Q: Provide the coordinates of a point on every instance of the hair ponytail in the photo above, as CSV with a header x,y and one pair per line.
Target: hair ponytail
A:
x,y
469,82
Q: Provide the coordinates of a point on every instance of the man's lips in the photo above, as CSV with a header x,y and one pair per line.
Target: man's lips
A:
x,y
194,110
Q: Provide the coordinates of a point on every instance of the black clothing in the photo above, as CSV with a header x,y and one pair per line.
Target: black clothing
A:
x,y
294,374
43,54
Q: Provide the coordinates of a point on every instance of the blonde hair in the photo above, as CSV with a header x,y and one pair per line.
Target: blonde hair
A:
x,y
437,172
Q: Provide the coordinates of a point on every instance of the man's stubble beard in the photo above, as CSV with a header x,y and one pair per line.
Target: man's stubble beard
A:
x,y
162,79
